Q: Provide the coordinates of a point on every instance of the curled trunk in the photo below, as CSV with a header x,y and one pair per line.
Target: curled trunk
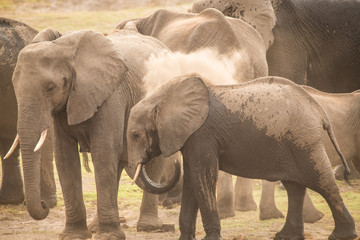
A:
x,y
145,183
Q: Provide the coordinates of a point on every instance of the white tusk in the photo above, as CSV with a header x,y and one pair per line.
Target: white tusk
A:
x,y
13,146
41,140
136,173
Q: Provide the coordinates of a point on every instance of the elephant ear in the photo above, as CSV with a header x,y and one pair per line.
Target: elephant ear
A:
x,y
98,67
47,34
182,110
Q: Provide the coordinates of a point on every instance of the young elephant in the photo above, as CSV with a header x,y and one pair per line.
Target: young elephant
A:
x,y
268,128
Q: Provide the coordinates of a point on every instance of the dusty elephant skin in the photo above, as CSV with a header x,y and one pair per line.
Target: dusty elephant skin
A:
x,y
315,42
237,129
14,36
85,83
186,32
343,111
210,29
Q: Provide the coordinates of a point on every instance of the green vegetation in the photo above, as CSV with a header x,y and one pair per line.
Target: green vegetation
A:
x,y
63,21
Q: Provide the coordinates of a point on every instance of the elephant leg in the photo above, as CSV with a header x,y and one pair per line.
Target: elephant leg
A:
x,y
173,196
225,195
47,179
12,190
94,223
268,209
294,226
203,177
189,208
244,200
356,163
344,223
69,170
107,174
149,219
310,213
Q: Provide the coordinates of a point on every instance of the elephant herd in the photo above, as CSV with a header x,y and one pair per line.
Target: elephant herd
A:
x,y
257,117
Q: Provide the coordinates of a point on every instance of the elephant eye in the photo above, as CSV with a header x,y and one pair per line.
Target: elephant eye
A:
x,y
135,135
65,81
50,87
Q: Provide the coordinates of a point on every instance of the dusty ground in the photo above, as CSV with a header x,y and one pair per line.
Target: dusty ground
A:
x,y
15,223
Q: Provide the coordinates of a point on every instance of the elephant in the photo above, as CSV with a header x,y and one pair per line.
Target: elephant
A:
x,y
210,29
315,42
189,33
85,83
343,111
238,129
14,36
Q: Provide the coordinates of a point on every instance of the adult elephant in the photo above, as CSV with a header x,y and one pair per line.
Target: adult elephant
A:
x,y
238,129
14,36
210,29
315,42
86,84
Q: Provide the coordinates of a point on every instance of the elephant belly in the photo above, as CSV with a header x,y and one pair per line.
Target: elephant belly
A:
x,y
261,157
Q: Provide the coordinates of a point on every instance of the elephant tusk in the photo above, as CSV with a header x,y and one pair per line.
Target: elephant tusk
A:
x,y
13,146
136,173
41,140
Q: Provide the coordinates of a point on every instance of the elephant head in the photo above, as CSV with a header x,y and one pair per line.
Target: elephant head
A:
x,y
71,74
154,127
258,13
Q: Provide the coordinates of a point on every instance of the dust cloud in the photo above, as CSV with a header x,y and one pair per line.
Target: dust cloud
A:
x,y
218,69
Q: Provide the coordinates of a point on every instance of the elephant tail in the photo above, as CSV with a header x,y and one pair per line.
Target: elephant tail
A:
x,y
328,127
85,158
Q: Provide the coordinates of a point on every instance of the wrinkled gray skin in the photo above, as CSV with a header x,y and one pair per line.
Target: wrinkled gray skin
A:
x,y
222,127
187,32
86,84
343,110
315,41
13,37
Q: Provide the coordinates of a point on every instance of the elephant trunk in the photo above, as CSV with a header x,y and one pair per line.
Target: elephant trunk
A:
x,y
145,183
29,129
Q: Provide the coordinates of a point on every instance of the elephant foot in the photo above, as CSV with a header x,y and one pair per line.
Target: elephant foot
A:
x,y
343,235
312,216
226,211
118,235
270,213
287,236
212,238
149,224
11,197
187,237
84,234
245,204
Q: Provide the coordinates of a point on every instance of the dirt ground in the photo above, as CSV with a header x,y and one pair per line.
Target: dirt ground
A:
x,y
15,223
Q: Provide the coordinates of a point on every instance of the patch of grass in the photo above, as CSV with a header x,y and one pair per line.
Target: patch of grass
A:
x,y
102,21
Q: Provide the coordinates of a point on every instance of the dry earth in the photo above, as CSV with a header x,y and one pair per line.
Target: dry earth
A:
x,y
15,223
